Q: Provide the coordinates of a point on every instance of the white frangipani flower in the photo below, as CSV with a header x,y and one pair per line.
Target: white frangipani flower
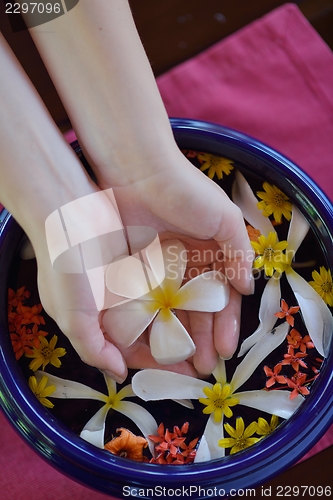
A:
x,y
93,431
154,384
169,340
316,315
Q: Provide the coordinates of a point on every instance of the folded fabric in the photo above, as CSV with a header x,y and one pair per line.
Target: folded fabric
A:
x,y
272,80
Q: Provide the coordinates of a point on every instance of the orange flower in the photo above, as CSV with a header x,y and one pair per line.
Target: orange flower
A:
x,y
297,384
287,312
15,298
295,360
274,375
297,341
252,232
31,314
127,445
24,339
172,446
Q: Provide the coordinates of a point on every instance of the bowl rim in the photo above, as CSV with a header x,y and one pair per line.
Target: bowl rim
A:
x,y
93,467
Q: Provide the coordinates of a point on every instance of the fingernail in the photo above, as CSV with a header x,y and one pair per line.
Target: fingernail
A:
x,y
115,377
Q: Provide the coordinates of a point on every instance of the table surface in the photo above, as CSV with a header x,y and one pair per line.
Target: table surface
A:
x,y
173,31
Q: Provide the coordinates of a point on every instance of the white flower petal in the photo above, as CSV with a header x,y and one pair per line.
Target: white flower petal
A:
x,y
244,198
257,354
175,261
187,403
220,372
68,389
207,292
141,417
273,402
93,431
269,305
298,229
156,385
316,315
202,453
126,322
169,341
213,432
127,277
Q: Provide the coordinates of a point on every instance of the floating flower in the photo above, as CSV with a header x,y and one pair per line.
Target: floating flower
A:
x,y
274,202
14,298
296,340
270,254
241,437
294,359
30,314
296,382
253,233
169,340
46,353
93,431
323,284
171,446
274,375
216,165
154,384
218,401
315,314
127,445
287,312
264,428
41,390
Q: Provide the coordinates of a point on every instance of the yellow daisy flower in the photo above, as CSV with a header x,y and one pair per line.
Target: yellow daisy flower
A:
x,y
240,437
41,390
275,202
46,353
264,428
323,284
216,165
218,401
270,254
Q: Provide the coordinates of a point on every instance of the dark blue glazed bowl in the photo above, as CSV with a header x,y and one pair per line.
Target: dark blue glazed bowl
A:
x,y
109,474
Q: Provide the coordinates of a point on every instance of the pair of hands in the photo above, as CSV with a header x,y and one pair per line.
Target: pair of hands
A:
x,y
179,202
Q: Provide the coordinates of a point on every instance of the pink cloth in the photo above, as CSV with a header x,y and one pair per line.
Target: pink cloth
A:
x,y
272,80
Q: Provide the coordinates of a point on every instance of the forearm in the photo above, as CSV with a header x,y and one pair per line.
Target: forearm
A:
x,y
99,67
39,172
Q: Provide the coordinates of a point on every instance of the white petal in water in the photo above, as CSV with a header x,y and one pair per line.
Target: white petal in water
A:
x,y
273,402
316,315
257,354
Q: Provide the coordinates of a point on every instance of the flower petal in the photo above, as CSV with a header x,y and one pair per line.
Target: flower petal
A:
x,y
169,341
270,303
208,292
220,372
68,389
273,402
243,196
93,431
126,322
203,452
257,354
212,434
175,260
156,385
141,417
298,229
316,315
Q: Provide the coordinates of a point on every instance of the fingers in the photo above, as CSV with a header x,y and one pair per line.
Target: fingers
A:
x,y
227,326
201,328
94,349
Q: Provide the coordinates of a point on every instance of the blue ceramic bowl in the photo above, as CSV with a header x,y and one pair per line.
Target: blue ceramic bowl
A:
x,y
109,474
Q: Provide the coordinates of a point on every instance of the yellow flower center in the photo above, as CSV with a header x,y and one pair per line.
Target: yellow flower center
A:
x,y
218,401
268,254
327,286
47,352
279,199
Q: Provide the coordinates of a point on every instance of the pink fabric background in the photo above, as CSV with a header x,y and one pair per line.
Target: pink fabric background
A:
x,y
272,80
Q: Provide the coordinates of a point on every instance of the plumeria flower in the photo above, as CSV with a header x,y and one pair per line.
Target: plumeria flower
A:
x,y
216,165
42,390
46,353
316,315
152,384
169,340
93,431
240,437
274,202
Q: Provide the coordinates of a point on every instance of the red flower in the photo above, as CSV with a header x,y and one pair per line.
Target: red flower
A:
x,y
296,382
287,312
172,447
297,341
295,360
274,375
